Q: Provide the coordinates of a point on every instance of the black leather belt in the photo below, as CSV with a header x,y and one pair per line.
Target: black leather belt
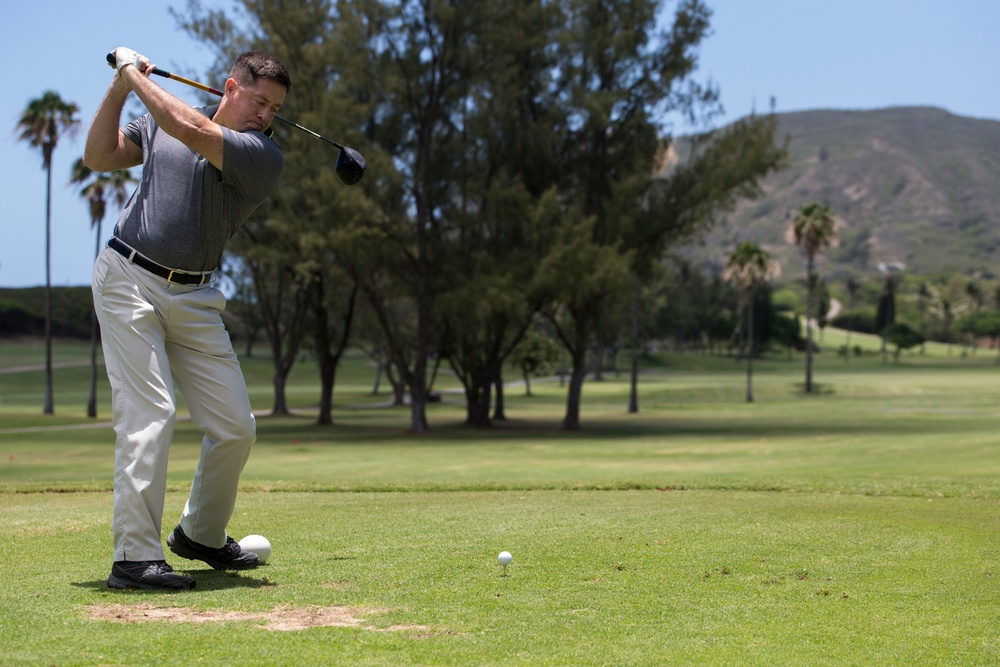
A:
x,y
172,275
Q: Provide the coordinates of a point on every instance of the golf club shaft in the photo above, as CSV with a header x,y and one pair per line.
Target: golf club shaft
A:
x,y
176,77
208,89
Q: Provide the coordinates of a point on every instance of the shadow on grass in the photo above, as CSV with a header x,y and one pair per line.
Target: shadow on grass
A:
x,y
205,580
656,421
817,389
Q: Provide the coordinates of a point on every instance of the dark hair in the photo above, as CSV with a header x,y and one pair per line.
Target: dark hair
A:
x,y
254,65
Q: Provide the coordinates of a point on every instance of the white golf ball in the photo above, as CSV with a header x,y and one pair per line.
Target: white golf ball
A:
x,y
505,558
257,544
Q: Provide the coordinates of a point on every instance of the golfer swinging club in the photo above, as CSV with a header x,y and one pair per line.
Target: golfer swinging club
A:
x,y
204,172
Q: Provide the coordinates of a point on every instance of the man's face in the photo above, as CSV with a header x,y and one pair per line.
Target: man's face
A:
x,y
252,106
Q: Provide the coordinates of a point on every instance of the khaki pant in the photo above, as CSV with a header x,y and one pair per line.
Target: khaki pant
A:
x,y
156,334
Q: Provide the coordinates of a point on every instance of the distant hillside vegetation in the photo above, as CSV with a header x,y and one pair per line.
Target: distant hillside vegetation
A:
x,y
916,185
22,311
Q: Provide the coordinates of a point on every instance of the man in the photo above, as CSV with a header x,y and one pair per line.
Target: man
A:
x,y
204,172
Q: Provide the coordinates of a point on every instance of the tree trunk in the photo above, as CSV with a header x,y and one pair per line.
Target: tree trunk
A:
x,y
92,396
599,363
571,422
499,408
49,402
633,396
418,404
327,380
95,329
378,371
418,383
329,352
809,336
750,308
740,335
280,402
283,316
397,383
478,403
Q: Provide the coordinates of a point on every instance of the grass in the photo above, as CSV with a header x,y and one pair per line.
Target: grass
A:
x,y
855,526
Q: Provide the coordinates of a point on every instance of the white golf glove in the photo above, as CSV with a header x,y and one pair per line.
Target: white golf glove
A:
x,y
124,56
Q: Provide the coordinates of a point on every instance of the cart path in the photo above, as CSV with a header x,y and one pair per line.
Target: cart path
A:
x,y
34,368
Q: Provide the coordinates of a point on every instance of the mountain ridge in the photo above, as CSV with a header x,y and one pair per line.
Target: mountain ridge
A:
x,y
917,188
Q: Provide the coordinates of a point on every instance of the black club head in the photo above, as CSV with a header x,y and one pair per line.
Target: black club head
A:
x,y
351,166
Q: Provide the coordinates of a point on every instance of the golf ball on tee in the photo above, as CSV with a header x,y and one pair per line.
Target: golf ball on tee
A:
x,y
505,558
257,544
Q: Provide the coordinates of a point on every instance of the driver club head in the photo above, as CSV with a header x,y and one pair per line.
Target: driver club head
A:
x,y
351,166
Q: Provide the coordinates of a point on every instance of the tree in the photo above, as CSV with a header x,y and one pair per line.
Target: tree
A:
x,y
615,75
281,295
697,311
97,189
536,354
304,270
45,120
585,277
813,229
685,198
788,331
491,129
885,315
948,320
503,214
980,324
903,336
976,298
853,286
333,311
425,60
621,74
750,266
924,295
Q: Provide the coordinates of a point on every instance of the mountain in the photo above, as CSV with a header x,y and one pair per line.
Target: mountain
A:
x,y
917,187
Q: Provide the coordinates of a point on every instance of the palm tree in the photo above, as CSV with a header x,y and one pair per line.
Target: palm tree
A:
x,y
750,266
853,286
44,121
813,229
96,191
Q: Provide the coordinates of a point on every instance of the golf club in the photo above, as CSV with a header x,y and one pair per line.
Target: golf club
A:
x,y
351,164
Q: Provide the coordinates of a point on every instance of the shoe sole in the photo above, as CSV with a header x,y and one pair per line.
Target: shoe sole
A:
x,y
191,554
121,584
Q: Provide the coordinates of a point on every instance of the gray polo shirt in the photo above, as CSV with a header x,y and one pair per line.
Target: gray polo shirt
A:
x,y
184,210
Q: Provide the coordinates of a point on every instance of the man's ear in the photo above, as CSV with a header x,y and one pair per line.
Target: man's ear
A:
x,y
231,85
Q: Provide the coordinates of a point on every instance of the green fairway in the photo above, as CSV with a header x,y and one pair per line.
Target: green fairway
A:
x,y
855,526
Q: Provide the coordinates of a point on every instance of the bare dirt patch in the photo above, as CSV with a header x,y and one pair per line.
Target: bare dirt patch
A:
x,y
279,619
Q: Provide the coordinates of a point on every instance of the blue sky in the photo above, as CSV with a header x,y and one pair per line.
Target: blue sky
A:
x,y
807,54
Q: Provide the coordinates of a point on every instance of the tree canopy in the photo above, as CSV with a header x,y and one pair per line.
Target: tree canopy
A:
x,y
516,169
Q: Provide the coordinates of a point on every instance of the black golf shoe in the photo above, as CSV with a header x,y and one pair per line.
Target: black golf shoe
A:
x,y
147,575
229,557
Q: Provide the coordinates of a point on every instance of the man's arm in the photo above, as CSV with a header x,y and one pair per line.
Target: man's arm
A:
x,y
107,149
176,118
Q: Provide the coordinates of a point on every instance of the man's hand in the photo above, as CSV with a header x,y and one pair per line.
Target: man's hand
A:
x,y
124,57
